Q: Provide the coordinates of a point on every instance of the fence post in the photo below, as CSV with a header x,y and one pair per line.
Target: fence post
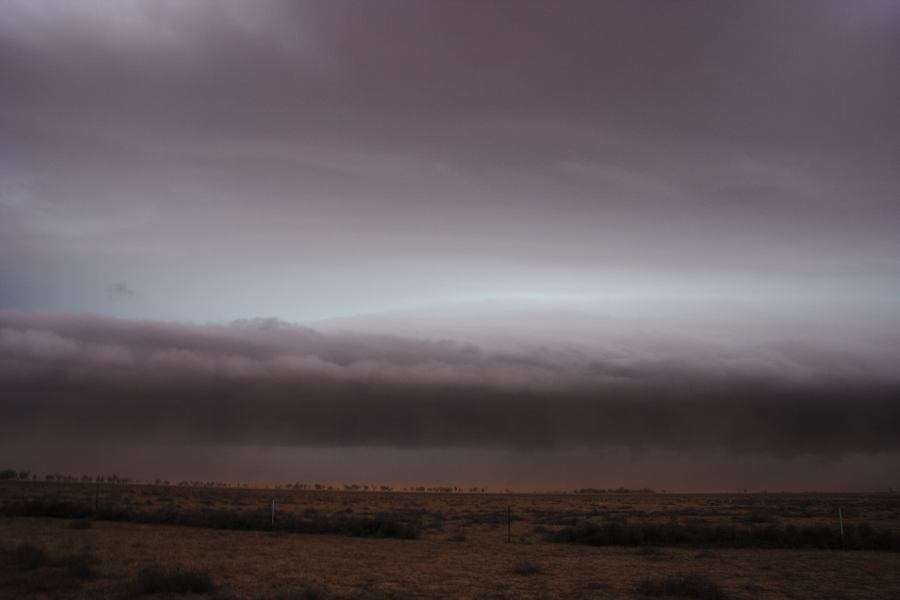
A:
x,y
841,521
273,513
508,524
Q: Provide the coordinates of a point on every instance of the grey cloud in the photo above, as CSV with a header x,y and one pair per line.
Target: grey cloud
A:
x,y
378,151
274,384
408,73
322,158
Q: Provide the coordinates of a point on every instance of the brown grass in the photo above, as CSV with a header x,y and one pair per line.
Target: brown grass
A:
x,y
462,551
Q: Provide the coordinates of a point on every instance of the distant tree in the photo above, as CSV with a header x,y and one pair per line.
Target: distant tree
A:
x,y
7,474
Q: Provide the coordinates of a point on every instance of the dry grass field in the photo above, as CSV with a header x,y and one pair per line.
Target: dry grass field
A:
x,y
143,541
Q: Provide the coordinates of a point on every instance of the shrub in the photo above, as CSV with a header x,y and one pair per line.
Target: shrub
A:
x,y
758,517
80,566
307,593
27,557
527,568
861,537
312,592
157,580
651,553
81,524
690,585
381,525
38,573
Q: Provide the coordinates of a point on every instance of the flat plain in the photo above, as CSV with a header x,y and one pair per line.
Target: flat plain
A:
x,y
84,540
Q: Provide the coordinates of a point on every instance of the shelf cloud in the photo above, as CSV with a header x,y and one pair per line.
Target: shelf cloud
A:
x,y
264,382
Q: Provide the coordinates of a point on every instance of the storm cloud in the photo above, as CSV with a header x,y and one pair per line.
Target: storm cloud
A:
x,y
265,382
351,157
510,232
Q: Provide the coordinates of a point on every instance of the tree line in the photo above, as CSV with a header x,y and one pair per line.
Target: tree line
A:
x,y
27,475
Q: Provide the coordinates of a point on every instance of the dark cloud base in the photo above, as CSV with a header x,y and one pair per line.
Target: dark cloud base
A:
x,y
269,384
758,420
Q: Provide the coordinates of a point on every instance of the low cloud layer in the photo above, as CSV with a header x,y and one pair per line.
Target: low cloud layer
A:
x,y
269,383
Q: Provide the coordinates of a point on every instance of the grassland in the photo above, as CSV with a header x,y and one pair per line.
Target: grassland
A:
x,y
145,541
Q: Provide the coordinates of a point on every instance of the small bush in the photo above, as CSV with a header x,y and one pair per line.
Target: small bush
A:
x,y
27,557
862,536
307,593
651,553
80,566
459,536
385,525
81,524
690,585
527,568
382,525
313,592
156,580
758,517
598,585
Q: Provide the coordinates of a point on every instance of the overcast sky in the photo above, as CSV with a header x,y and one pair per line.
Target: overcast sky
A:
x,y
619,189
307,160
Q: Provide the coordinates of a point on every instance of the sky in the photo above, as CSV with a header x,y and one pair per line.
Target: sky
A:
x,y
517,244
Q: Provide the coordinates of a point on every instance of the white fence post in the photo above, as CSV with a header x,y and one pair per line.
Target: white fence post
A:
x,y
841,520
